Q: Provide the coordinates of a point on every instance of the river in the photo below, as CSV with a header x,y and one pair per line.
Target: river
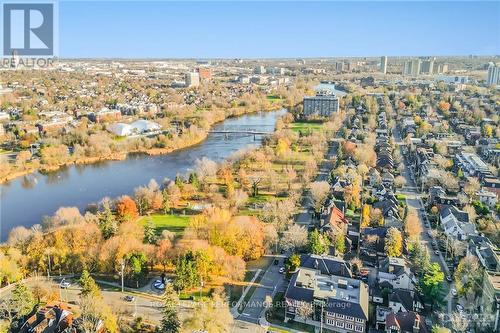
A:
x,y
25,200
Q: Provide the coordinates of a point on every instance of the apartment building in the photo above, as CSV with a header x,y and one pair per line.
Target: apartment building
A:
x,y
337,303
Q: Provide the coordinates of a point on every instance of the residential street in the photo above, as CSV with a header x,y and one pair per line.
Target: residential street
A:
x,y
414,202
271,282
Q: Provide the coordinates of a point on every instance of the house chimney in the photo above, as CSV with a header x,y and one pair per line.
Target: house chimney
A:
x,y
416,324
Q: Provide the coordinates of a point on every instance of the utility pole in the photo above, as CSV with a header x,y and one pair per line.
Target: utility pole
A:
x,y
122,273
49,268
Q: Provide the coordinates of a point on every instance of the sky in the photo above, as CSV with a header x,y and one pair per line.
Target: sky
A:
x,y
283,29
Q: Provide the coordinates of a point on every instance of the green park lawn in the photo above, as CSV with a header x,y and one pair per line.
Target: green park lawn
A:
x,y
302,126
170,222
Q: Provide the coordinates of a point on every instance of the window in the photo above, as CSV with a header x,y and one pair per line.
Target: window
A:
x,y
359,320
330,322
348,326
340,324
350,318
340,315
358,328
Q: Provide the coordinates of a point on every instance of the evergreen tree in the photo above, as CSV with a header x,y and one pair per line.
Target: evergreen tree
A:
x,y
170,322
150,232
89,287
22,300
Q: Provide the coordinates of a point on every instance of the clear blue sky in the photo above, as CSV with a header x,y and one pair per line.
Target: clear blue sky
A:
x,y
239,29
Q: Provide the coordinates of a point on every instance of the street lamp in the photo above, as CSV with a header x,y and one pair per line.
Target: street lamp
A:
x,y
122,272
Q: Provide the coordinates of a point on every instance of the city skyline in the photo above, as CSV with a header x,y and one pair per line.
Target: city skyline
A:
x,y
271,30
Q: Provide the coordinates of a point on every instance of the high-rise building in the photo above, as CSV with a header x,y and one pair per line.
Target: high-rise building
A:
x,y
412,67
339,66
493,74
192,79
259,70
415,67
324,104
383,64
427,66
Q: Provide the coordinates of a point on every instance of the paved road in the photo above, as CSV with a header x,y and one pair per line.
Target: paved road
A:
x,y
148,308
414,202
271,282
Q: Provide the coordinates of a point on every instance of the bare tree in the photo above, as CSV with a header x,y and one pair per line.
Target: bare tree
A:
x,y
319,191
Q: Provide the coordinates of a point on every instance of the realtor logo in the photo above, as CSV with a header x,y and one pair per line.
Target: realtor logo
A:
x,y
28,29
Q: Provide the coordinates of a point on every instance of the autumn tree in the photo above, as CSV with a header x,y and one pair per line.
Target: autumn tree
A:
x,y
126,208
294,238
393,242
210,315
319,191
413,227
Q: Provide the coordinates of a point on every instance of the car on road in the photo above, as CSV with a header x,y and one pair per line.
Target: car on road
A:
x,y
158,284
129,298
448,278
436,252
282,270
64,284
460,308
454,292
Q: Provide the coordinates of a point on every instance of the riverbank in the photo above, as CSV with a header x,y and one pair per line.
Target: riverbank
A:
x,y
120,156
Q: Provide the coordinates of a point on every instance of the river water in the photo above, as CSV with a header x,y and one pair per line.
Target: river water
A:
x,y
25,200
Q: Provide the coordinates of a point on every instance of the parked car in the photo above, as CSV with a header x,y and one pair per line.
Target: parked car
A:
x,y
129,298
460,308
158,284
454,292
429,233
64,284
282,270
436,252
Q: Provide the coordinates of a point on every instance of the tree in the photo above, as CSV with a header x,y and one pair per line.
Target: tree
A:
x,y
318,243
304,310
468,276
293,262
431,282
107,221
126,208
472,186
393,242
210,315
339,243
400,181
419,258
319,191
89,287
170,322
22,300
413,227
294,238
458,322
150,232
365,216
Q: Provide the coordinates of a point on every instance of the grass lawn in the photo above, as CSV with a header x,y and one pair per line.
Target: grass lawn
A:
x,y
302,126
273,98
170,222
